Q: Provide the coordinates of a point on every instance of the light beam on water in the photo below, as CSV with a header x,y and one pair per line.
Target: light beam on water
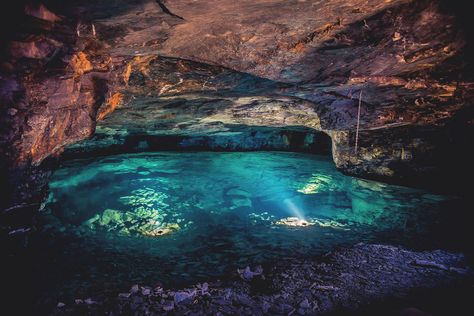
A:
x,y
171,208
293,209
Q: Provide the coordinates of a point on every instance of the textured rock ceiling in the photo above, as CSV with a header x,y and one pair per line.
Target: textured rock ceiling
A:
x,y
280,63
297,41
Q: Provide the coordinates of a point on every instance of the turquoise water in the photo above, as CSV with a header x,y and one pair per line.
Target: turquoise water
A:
x,y
177,218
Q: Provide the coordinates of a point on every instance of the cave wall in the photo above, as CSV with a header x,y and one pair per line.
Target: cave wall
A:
x,y
274,63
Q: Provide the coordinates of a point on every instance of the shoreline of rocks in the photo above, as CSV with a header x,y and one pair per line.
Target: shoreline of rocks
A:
x,y
348,280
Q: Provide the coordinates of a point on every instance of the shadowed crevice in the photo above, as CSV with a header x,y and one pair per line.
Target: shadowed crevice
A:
x,y
167,11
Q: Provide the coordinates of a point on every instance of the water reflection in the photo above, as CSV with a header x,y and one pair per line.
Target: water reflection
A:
x,y
179,217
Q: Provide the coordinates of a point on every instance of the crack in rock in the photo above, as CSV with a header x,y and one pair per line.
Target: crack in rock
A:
x,y
167,11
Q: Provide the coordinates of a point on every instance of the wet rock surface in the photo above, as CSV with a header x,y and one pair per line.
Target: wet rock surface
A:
x,y
344,281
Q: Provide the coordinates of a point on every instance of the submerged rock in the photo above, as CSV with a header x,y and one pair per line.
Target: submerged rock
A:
x,y
160,231
91,222
293,222
140,222
298,222
240,202
238,198
110,216
239,192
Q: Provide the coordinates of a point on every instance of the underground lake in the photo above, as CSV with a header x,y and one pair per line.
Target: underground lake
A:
x,y
177,218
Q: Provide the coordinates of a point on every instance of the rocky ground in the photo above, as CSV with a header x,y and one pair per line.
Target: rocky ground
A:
x,y
365,279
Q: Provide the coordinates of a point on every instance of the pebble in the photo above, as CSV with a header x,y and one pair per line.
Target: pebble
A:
x,y
89,301
12,111
248,274
168,306
134,289
305,304
429,264
180,297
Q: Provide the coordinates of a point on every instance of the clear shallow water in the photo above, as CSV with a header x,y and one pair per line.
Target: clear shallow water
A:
x,y
217,212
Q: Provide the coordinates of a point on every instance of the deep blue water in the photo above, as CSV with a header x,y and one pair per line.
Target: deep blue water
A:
x,y
178,218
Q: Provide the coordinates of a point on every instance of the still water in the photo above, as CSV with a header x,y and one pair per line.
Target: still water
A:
x,y
178,218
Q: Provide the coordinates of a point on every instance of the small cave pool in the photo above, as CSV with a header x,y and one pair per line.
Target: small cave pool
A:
x,y
179,218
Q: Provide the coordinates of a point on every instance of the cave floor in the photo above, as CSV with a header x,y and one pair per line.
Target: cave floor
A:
x,y
367,279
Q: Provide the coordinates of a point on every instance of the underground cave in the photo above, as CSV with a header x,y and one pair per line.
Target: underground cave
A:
x,y
267,157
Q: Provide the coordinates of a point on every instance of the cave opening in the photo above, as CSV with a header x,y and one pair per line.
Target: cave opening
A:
x,y
236,138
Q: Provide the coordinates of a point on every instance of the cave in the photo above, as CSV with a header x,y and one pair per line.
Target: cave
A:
x,y
218,157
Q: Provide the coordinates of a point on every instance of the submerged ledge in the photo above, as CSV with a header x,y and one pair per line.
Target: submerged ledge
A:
x,y
366,278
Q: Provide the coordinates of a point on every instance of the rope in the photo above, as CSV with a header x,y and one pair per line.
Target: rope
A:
x,y
358,122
